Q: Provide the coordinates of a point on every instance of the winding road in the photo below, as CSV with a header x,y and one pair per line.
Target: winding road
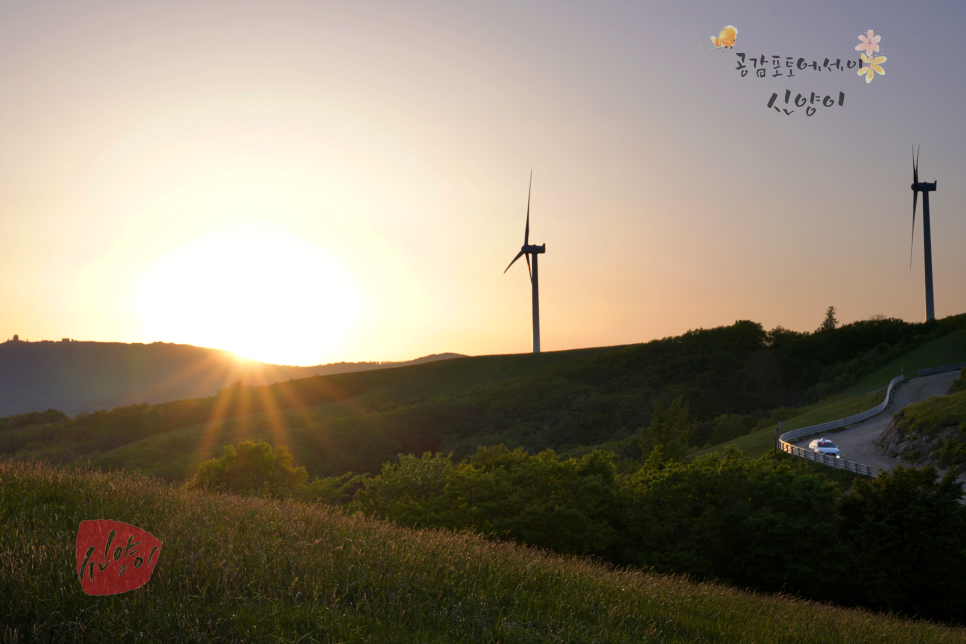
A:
x,y
856,442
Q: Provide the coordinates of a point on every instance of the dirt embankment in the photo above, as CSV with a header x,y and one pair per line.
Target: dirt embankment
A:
x,y
933,433
921,449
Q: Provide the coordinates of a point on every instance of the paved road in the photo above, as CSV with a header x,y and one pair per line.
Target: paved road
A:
x,y
855,443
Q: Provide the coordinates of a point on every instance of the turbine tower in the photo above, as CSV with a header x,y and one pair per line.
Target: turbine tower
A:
x,y
528,250
925,189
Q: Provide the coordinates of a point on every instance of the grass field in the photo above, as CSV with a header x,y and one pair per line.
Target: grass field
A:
x,y
256,570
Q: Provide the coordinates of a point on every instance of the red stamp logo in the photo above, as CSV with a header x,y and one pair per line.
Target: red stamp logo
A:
x,y
114,557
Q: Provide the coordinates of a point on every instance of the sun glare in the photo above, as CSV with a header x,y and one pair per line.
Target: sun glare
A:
x,y
260,292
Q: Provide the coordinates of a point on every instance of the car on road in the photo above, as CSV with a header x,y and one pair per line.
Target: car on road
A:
x,y
824,446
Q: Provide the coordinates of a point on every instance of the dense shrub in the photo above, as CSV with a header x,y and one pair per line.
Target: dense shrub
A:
x,y
903,533
752,523
254,467
564,505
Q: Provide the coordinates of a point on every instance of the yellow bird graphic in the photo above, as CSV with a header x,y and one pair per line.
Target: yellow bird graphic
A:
x,y
726,38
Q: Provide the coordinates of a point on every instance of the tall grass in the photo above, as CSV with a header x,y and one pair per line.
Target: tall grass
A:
x,y
250,569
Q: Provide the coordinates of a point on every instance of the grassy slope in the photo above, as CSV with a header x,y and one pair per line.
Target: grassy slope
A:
x,y
936,413
196,443
236,569
949,349
405,385
930,416
383,389
865,394
761,442
376,389
188,447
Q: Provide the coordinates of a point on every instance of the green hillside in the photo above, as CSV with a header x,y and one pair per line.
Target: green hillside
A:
x,y
731,378
250,569
564,400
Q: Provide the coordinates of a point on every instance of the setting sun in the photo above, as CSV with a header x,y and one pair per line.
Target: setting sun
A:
x,y
258,291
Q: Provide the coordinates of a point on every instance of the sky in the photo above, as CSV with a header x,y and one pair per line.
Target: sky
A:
x,y
311,182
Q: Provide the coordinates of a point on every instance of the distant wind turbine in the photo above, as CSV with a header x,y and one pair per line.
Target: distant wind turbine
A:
x,y
925,189
528,250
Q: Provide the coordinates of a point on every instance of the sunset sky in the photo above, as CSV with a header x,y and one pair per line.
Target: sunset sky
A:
x,y
310,182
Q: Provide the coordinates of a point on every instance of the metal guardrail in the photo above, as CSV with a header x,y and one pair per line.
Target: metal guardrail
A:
x,y
943,369
827,459
831,460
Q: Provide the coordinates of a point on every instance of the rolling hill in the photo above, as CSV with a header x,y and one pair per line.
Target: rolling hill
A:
x,y
572,402
76,377
562,400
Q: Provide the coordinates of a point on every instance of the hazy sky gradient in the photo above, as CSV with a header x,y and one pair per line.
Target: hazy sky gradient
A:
x,y
397,139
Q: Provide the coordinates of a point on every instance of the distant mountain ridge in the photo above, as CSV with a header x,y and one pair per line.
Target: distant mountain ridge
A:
x,y
75,377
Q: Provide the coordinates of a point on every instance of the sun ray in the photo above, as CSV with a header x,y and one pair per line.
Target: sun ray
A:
x,y
274,415
207,373
210,433
215,425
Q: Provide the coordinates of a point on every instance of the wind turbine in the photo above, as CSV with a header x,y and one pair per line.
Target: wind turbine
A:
x,y
925,189
528,250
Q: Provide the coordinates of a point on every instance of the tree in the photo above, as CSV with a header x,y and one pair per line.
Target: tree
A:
x,y
254,467
733,518
408,491
830,322
903,531
729,426
333,490
564,505
666,438
567,505
762,375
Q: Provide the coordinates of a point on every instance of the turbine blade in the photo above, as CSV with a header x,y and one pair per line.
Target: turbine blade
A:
x,y
915,168
514,261
915,197
528,267
526,234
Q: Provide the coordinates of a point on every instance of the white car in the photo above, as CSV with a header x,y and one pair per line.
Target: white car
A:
x,y
824,446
